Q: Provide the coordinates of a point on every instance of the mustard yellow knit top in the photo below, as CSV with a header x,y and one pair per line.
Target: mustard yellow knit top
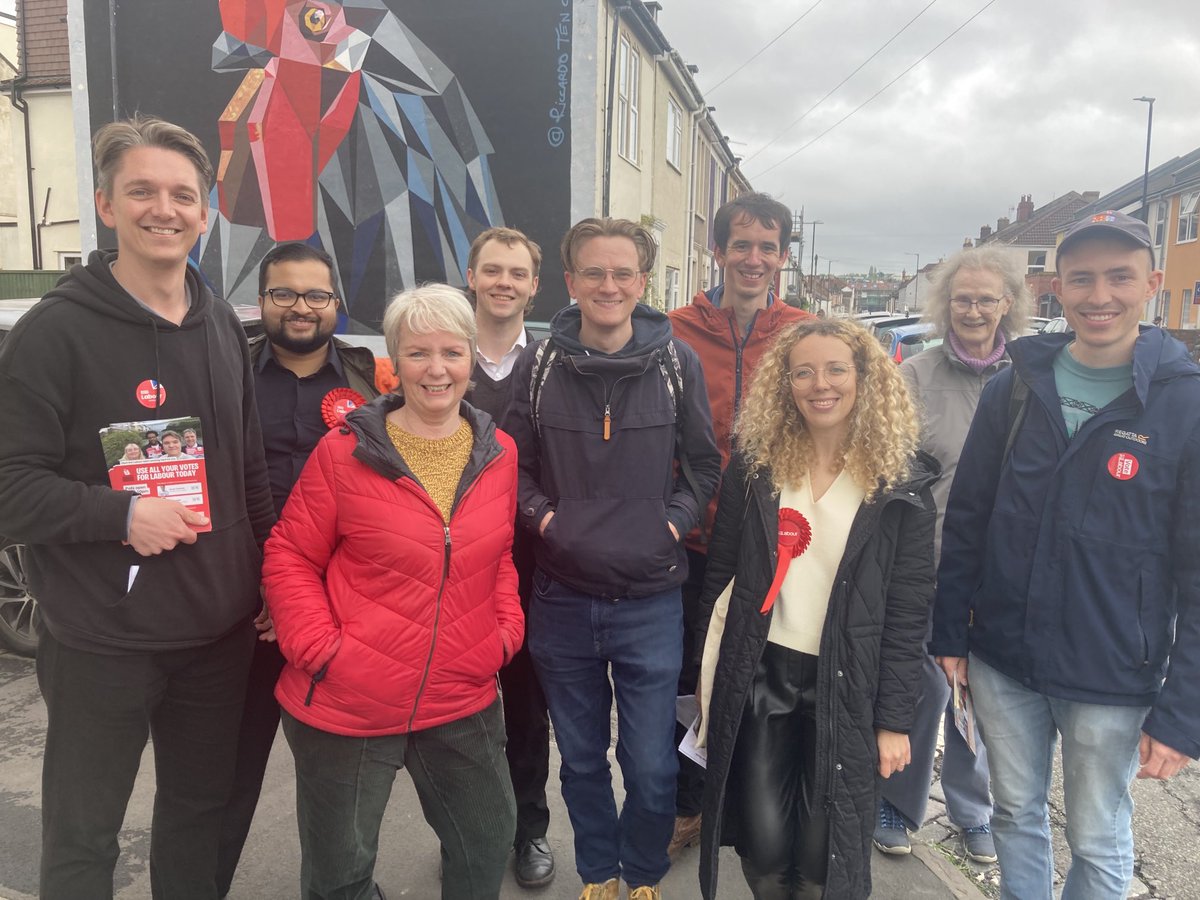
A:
x,y
438,463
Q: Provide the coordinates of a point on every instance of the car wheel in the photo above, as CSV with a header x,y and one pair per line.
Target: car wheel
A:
x,y
19,614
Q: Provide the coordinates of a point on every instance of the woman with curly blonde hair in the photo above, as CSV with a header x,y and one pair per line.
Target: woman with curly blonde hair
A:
x,y
820,573
883,430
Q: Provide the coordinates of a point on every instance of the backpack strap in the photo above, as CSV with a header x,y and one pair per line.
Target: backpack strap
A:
x,y
673,373
546,354
1018,405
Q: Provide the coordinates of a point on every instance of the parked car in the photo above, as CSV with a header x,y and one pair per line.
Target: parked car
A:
x,y
882,328
904,341
1037,324
18,608
1055,326
19,616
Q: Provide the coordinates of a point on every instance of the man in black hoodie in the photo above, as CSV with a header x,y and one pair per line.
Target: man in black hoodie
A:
x,y
600,413
146,605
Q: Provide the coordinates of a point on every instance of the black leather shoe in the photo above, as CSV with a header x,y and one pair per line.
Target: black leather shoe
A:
x,y
535,863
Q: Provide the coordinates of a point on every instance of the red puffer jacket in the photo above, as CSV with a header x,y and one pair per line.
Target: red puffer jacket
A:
x,y
390,620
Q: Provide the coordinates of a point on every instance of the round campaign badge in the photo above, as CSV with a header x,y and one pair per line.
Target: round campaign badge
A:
x,y
795,534
151,394
338,403
1122,466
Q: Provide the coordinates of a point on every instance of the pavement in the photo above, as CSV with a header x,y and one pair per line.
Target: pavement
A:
x,y
408,856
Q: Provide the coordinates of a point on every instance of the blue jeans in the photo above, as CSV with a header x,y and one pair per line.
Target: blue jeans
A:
x,y
1100,758
574,640
964,774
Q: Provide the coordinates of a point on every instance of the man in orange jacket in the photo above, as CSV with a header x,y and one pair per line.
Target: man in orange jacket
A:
x,y
729,327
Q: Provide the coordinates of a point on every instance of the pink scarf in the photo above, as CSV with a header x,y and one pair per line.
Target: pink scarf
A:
x,y
977,365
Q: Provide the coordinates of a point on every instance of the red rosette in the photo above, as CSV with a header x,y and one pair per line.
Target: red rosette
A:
x,y
337,403
795,534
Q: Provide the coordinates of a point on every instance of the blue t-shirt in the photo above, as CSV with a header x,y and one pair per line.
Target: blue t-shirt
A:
x,y
1084,391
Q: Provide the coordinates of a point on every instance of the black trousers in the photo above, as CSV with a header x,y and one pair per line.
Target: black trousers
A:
x,y
260,722
101,710
689,785
526,716
782,829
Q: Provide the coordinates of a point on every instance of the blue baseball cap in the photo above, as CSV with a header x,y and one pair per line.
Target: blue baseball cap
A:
x,y
1112,222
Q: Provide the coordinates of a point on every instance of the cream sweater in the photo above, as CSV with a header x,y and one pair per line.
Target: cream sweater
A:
x,y
799,614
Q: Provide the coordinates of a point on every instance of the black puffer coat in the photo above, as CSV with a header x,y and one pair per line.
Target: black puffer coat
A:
x,y
870,658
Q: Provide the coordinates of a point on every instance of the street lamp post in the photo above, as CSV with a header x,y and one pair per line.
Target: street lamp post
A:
x,y
916,280
1149,101
813,265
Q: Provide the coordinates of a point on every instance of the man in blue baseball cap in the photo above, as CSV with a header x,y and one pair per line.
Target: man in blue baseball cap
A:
x,y
1069,587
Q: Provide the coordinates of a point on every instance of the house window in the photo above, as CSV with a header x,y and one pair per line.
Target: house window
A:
x,y
628,69
1160,223
674,133
1037,262
66,260
1187,217
672,288
1166,306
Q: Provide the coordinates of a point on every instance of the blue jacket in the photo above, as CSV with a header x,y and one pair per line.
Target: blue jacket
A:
x,y
1074,567
613,497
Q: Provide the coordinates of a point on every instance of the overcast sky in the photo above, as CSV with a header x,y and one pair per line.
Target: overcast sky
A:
x,y
1032,97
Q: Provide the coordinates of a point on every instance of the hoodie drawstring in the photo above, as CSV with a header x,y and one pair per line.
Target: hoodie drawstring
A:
x,y
212,387
158,389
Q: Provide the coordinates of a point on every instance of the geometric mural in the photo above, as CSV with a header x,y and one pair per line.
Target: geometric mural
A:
x,y
347,132
388,132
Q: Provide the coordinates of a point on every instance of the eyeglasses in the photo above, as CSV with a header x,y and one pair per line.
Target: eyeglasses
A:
x,y
286,298
964,304
595,275
836,374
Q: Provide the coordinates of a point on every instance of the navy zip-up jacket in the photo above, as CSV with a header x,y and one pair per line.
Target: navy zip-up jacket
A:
x,y
612,497
1074,566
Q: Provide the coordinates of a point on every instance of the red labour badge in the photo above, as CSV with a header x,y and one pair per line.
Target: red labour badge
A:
x,y
795,534
150,394
338,403
1122,466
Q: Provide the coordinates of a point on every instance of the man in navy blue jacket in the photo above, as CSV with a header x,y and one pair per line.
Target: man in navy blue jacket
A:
x,y
1069,586
618,403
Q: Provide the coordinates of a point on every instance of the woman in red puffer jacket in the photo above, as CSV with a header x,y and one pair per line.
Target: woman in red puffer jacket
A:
x,y
390,581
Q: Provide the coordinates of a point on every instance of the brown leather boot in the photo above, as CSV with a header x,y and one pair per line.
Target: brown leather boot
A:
x,y
686,833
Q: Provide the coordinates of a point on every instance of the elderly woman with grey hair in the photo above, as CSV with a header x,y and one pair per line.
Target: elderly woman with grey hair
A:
x,y
979,302
391,583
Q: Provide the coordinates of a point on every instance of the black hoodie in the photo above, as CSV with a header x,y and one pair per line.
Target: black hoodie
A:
x,y
71,367
613,497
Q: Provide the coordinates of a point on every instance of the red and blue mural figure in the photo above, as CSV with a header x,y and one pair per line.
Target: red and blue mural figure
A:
x,y
347,132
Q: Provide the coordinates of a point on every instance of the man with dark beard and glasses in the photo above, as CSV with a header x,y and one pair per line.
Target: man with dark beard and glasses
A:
x,y
304,379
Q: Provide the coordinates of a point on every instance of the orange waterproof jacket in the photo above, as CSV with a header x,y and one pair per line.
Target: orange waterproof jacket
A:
x,y
729,359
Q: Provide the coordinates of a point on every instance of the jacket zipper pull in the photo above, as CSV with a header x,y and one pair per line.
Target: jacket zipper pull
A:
x,y
317,677
607,422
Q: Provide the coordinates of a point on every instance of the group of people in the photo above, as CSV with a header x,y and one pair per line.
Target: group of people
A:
x,y
172,445
421,562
